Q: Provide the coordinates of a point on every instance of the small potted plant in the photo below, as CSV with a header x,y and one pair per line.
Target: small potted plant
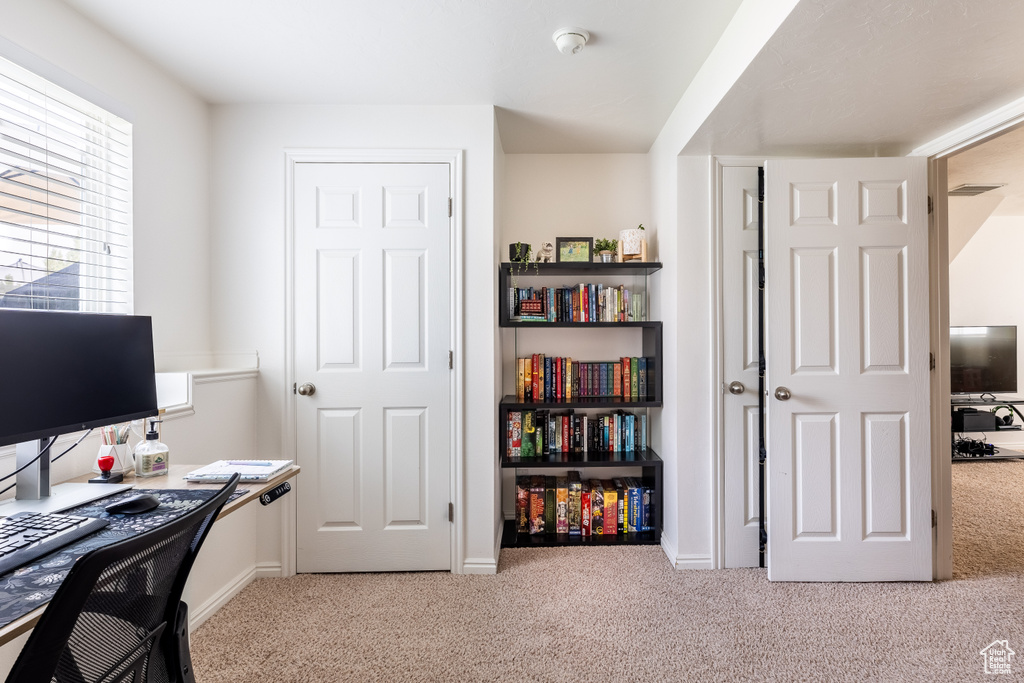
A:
x,y
519,255
606,249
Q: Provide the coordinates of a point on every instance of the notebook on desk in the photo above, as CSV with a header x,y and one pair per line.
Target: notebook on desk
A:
x,y
248,470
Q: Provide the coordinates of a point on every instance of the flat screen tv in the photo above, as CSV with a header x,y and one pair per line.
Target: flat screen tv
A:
x,y
983,360
63,372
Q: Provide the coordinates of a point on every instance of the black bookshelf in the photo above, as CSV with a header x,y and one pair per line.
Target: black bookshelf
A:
x,y
510,538
647,461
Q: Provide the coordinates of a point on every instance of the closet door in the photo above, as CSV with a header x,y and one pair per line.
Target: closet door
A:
x,y
849,476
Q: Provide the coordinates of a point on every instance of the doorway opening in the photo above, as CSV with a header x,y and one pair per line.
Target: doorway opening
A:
x,y
985,218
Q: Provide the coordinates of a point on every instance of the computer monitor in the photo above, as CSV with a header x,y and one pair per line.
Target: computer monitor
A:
x,y
983,359
64,372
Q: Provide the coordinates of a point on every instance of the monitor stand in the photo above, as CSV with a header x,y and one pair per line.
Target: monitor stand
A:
x,y
33,492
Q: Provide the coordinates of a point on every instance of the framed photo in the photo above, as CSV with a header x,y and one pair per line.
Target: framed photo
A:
x,y
574,249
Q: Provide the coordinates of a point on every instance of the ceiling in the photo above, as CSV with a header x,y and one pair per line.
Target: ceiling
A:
x,y
842,78
614,96
1000,160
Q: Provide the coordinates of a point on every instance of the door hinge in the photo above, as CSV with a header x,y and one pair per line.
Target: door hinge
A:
x,y
935,519
449,207
930,206
931,361
451,512
451,360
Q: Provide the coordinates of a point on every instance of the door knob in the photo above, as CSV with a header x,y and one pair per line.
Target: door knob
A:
x,y
782,393
736,388
307,389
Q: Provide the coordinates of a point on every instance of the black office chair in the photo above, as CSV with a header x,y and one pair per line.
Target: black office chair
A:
x,y
118,616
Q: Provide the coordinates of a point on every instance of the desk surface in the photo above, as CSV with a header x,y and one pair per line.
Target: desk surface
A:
x,y
173,480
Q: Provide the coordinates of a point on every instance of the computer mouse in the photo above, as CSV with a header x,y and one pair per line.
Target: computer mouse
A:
x,y
143,502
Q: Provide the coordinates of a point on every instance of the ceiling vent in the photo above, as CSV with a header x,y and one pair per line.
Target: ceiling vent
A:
x,y
973,190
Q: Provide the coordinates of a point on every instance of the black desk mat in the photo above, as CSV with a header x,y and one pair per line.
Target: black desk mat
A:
x,y
32,585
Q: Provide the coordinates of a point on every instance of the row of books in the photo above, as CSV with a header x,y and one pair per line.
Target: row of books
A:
x,y
568,505
554,378
536,433
581,303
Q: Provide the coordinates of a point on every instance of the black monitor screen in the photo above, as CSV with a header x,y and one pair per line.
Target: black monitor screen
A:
x,y
983,359
62,372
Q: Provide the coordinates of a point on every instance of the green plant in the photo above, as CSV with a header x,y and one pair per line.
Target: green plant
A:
x,y
520,262
601,244
640,227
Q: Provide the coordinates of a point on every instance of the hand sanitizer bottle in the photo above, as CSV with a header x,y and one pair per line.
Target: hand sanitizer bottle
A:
x,y
152,457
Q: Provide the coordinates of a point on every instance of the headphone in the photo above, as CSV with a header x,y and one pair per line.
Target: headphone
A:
x,y
1005,419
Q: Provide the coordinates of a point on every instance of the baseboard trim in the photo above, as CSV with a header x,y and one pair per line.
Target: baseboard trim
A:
x,y
269,570
200,614
694,562
474,565
482,565
684,561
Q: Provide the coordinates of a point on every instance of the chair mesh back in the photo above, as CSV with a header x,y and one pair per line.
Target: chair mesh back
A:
x,y
112,618
115,631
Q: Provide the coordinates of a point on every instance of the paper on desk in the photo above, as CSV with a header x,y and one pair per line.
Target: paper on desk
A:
x,y
248,470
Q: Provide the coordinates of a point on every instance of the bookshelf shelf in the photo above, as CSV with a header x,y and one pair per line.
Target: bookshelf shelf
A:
x,y
647,458
511,539
611,402
645,462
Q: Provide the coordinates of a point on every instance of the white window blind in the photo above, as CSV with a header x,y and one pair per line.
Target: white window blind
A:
x,y
65,199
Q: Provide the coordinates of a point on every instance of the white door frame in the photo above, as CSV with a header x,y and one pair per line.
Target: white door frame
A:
x,y
395,156
969,135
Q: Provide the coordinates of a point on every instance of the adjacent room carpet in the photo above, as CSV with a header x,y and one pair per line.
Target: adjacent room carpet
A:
x,y
623,614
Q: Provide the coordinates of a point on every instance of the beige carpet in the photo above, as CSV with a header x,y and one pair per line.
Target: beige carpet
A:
x,y
622,614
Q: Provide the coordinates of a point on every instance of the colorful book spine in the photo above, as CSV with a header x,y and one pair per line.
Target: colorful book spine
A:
x,y
562,505
520,377
547,378
549,505
596,508
610,518
575,504
517,432
536,505
620,498
527,379
643,432
617,379
635,379
585,509
625,376
529,439
642,378
536,373
523,504
633,497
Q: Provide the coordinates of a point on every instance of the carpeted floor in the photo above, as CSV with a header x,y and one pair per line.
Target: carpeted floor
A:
x,y
622,614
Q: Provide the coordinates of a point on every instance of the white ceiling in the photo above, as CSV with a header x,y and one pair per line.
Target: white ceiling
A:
x,y
1000,160
865,77
614,96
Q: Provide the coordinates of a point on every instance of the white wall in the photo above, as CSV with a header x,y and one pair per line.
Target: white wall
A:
x,y
170,165
984,280
248,246
681,200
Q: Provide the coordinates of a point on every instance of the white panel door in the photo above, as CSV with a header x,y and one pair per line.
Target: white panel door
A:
x,y
372,333
849,477
740,365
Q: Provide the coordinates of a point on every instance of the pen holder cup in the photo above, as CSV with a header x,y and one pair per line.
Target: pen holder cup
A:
x,y
123,463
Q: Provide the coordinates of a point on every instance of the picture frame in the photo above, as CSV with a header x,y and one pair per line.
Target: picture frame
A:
x,y
574,249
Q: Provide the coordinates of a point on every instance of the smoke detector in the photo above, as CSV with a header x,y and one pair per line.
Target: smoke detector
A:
x,y
973,189
570,40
